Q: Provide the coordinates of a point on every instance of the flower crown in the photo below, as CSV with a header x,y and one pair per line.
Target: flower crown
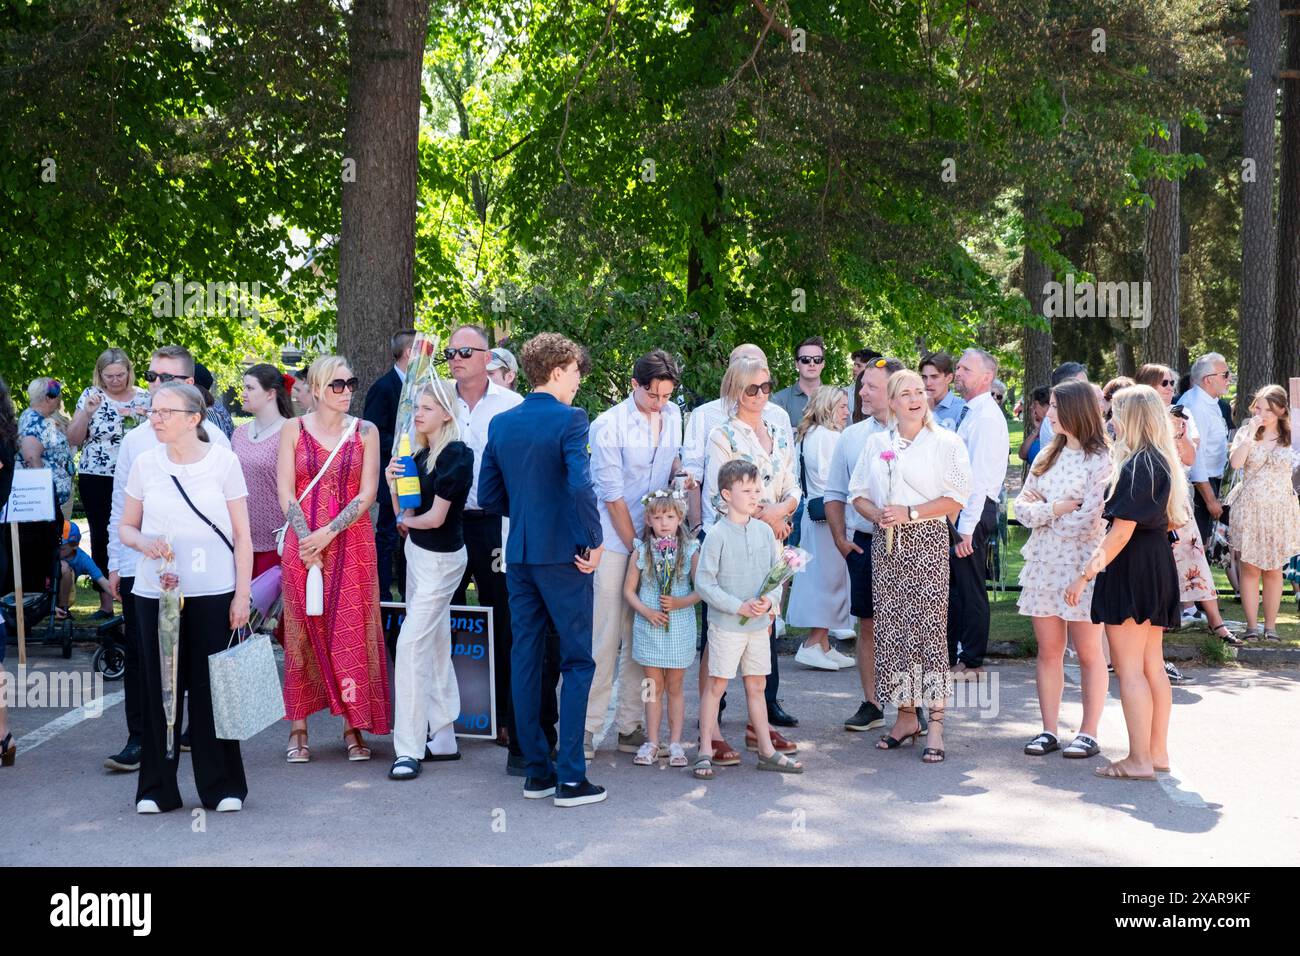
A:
x,y
670,494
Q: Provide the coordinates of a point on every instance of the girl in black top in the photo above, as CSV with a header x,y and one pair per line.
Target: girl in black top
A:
x,y
427,700
1137,595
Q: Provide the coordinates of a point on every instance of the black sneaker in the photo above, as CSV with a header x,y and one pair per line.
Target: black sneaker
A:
x,y
868,717
576,794
185,741
516,765
1175,675
535,788
126,761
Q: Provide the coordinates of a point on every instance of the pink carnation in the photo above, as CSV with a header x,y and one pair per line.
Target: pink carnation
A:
x,y
887,455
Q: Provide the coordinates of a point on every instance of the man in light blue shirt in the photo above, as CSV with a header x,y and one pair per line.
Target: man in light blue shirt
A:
x,y
937,372
635,449
1210,377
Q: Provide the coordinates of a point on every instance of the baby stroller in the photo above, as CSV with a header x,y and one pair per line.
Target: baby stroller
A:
x,y
110,657
38,543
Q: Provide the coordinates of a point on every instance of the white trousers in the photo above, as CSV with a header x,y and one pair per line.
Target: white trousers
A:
x,y
611,644
426,696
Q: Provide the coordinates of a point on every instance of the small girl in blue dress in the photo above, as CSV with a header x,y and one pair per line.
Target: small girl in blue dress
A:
x,y
663,631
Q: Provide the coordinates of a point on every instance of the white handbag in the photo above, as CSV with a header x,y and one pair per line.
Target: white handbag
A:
x,y
280,531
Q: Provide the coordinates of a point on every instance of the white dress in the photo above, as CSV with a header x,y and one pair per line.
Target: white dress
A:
x,y
819,594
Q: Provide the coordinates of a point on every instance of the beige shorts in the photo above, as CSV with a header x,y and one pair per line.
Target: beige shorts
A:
x,y
751,651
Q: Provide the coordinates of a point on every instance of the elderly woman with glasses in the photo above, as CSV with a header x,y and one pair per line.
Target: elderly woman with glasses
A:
x,y
748,436
327,477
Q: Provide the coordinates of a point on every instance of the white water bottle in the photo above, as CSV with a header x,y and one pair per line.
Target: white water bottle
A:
x,y
315,592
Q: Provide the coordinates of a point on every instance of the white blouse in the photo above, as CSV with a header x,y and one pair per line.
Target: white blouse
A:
x,y
817,448
933,465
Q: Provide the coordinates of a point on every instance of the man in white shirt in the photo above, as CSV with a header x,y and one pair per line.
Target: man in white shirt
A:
x,y
478,400
983,428
634,450
852,532
1210,377
171,363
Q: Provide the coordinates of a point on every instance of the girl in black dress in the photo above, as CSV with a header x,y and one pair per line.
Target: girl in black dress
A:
x,y
1136,595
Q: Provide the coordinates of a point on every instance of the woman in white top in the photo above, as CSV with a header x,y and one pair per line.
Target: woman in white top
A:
x,y
1062,502
909,482
207,538
747,435
819,597
106,411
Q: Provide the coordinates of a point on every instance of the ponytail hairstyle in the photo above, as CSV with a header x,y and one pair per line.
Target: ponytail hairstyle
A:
x,y
1145,428
1077,411
666,499
192,398
273,380
1276,397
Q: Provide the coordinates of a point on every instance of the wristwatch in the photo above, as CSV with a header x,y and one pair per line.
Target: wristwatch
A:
x,y
914,514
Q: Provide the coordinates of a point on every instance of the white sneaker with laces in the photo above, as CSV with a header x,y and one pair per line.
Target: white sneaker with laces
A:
x,y
842,659
813,656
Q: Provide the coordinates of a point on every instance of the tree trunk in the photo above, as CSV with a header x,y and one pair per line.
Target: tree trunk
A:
x,y
1038,342
377,239
1160,260
1258,241
1286,352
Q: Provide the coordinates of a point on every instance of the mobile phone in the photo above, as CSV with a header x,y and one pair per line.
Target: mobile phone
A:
x,y
584,553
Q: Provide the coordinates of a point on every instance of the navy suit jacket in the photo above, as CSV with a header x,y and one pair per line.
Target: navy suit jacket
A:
x,y
381,411
537,471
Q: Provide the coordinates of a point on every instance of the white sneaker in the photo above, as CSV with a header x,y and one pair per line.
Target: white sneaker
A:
x,y
844,634
230,804
147,806
816,658
841,659
780,625
1192,616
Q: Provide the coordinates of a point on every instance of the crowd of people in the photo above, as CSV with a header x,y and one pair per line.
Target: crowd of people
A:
x,y
593,542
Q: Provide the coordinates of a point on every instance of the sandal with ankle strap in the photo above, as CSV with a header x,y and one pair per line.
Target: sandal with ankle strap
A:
x,y
297,753
1270,634
934,754
357,750
1224,633
892,743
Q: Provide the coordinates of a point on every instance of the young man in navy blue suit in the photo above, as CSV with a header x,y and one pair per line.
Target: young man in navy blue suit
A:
x,y
537,470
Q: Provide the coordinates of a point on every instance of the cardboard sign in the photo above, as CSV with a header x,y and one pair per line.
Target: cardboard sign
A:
x,y
32,497
471,659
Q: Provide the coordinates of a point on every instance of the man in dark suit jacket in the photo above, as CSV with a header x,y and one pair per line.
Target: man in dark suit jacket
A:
x,y
537,470
381,411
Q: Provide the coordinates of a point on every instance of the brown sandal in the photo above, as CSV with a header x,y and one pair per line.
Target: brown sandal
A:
x,y
297,753
357,750
723,755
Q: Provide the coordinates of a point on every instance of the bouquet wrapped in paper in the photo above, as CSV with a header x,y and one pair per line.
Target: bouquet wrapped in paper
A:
x,y
170,602
419,373
792,561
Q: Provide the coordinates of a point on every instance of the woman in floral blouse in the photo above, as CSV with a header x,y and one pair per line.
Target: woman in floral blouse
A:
x,y
42,444
106,411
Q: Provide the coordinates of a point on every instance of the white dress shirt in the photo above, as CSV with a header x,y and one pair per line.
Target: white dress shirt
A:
x,y
933,465
843,461
815,453
474,426
699,424
984,430
138,440
1212,453
629,461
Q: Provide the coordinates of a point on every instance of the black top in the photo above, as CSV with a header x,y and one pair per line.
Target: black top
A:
x,y
451,478
1141,493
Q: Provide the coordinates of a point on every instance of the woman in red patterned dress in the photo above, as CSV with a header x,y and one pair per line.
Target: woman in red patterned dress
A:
x,y
337,659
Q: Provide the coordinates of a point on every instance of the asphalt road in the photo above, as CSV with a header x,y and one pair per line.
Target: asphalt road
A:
x,y
1230,800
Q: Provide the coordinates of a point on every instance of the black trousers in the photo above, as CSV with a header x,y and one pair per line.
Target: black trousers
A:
x,y
97,497
388,547
218,768
1202,514
968,596
132,679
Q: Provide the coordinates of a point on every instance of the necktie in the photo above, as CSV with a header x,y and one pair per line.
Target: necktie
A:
x,y
962,417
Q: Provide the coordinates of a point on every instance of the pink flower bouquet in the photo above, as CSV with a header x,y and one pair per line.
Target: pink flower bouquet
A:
x,y
792,561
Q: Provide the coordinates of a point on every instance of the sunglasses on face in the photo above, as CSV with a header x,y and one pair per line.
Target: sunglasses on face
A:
x,y
340,385
811,359
465,351
151,376
765,388
1226,373
1168,382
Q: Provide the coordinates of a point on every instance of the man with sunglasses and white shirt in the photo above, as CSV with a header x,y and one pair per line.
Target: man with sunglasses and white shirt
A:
x,y
1211,378
171,363
478,401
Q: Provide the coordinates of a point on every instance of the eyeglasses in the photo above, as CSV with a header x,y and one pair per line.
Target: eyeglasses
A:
x,y
151,376
339,385
811,359
1226,373
765,388
165,414
465,351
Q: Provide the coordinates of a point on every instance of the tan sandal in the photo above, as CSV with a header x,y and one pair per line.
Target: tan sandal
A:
x,y
297,753
357,750
1113,771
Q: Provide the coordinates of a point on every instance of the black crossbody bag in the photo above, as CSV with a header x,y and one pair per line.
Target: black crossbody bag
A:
x,y
220,534
815,507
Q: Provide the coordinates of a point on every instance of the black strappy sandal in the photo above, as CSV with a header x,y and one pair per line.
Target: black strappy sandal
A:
x,y
1224,633
1044,743
892,744
936,717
